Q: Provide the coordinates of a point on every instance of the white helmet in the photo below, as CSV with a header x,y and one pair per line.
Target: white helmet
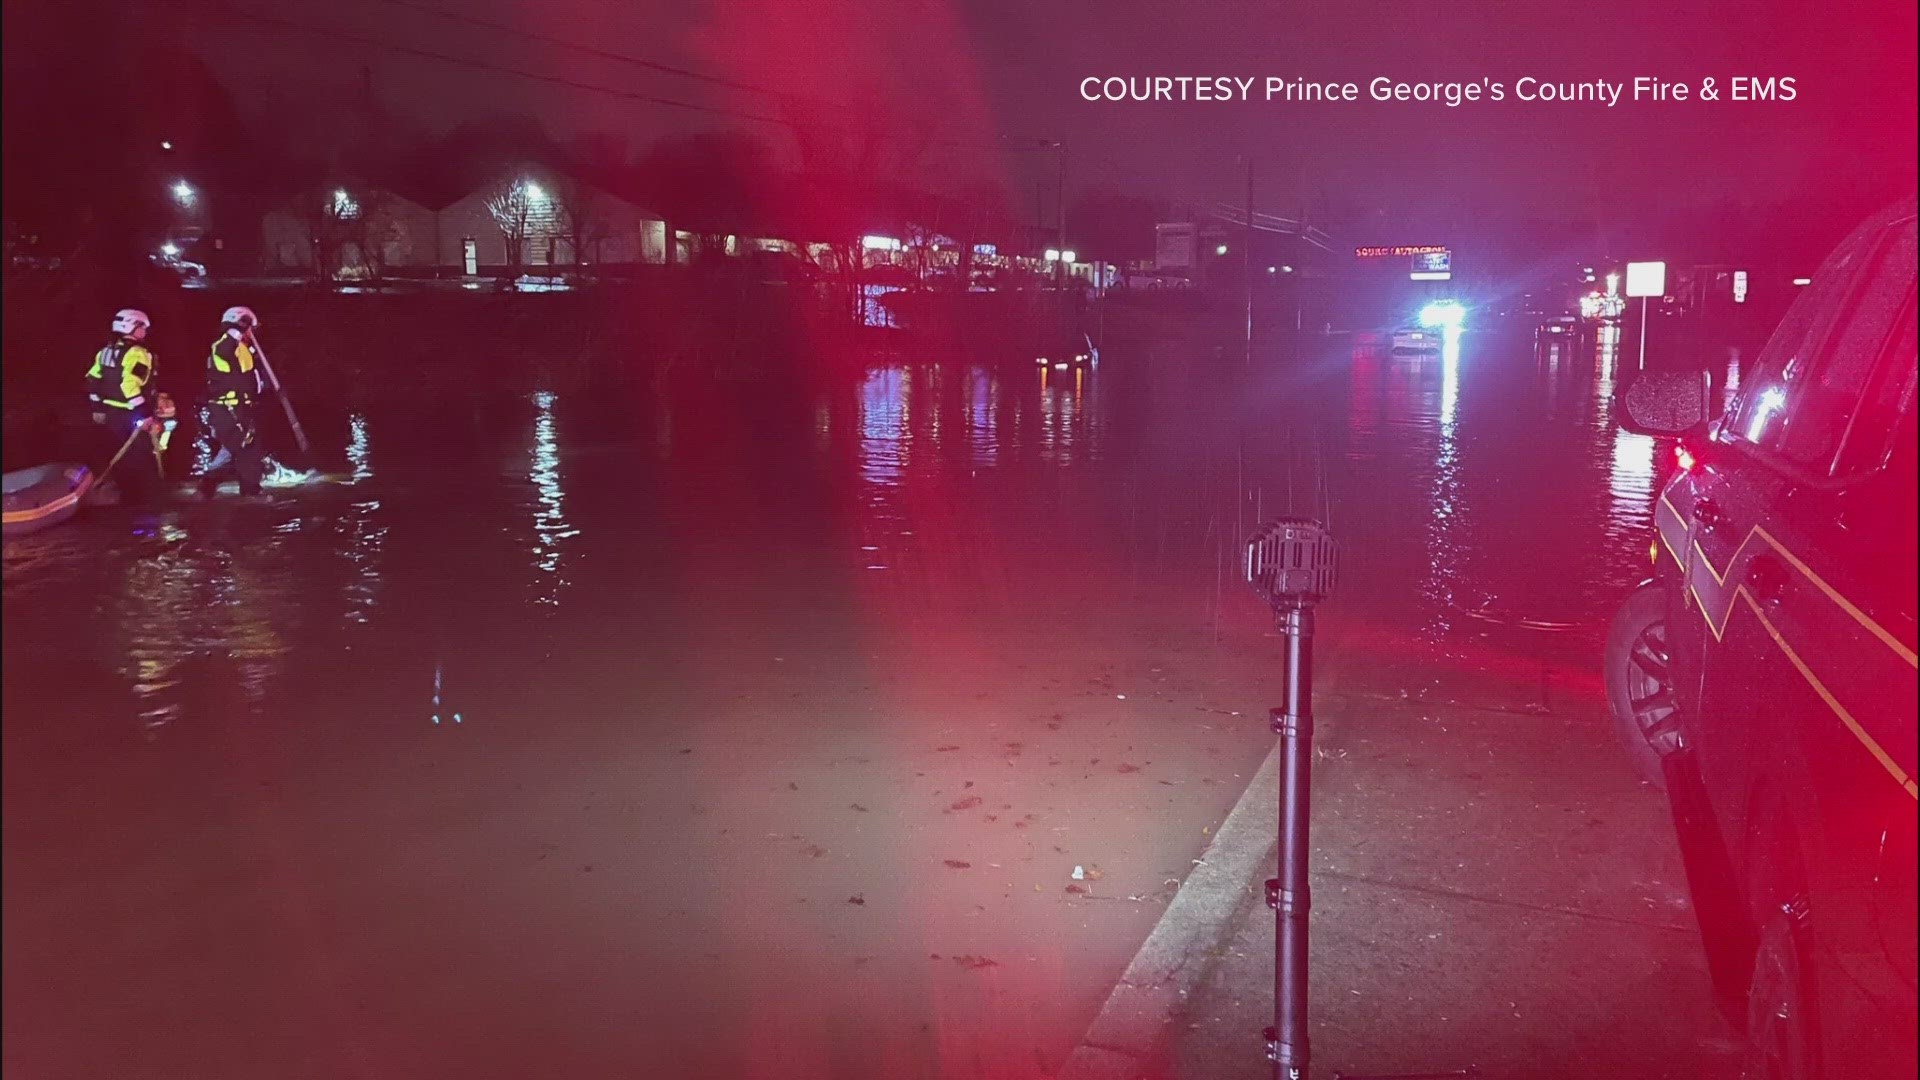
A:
x,y
242,317
131,322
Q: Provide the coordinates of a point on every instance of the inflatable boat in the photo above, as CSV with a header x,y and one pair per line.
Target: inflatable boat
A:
x,y
43,496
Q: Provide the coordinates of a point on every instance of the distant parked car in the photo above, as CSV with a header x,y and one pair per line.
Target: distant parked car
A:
x,y
169,258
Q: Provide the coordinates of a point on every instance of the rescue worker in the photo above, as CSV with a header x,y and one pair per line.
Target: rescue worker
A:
x,y
117,389
232,386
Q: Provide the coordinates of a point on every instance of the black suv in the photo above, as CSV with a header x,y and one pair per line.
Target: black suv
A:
x,y
1765,675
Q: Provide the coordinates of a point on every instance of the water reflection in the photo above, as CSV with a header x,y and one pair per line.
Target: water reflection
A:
x,y
886,438
983,408
1446,548
183,600
1607,365
1630,480
550,526
1069,416
363,536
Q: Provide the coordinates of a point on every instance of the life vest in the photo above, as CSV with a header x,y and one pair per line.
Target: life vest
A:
x,y
119,376
231,379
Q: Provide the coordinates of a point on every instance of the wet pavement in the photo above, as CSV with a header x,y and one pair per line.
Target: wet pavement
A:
x,y
735,729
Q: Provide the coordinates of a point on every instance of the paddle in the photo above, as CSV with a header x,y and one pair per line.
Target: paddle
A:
x,y
279,391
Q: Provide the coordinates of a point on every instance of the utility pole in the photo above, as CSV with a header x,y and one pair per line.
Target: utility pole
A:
x,y
1060,208
1246,262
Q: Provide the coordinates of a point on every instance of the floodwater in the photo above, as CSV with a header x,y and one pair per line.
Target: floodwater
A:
x,y
738,729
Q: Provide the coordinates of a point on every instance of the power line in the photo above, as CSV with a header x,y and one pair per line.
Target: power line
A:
x,y
604,54
556,80
499,69
717,80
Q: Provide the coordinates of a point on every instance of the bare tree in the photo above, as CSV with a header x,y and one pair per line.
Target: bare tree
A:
x,y
511,205
362,217
578,219
851,165
327,214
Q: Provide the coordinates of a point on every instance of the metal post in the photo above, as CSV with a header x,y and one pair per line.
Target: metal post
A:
x,y
1643,333
1288,894
1290,564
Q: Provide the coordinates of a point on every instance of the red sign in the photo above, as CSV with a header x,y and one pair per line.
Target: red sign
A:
x,y
1397,252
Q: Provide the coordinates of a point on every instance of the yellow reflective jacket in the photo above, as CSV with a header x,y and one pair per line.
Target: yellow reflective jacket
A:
x,y
231,379
119,375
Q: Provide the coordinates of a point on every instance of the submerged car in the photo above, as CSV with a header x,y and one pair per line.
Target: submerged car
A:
x,y
1429,331
1765,674
1414,339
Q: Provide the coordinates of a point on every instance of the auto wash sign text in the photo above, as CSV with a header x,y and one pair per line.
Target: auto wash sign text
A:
x,y
1428,262
1402,251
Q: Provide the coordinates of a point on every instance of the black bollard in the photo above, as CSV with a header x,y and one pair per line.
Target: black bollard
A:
x,y
1290,563
1288,894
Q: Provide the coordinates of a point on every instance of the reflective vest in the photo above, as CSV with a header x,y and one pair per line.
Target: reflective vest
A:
x,y
231,379
119,375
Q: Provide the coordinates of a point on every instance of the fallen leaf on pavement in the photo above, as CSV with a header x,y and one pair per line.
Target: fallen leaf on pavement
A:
x,y
958,864
967,803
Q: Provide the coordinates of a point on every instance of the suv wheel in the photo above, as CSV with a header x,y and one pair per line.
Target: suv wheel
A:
x,y
1779,1025
1640,687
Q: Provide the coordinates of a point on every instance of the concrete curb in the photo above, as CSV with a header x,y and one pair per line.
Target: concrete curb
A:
x,y
1121,1042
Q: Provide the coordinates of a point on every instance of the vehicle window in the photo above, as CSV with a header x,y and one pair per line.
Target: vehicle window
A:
x,y
1828,396
1882,431
1759,414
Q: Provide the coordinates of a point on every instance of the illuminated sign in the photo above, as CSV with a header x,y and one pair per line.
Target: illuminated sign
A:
x,y
1398,252
1646,279
1175,246
1433,262
1739,286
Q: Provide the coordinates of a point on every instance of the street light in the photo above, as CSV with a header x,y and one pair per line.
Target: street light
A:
x,y
1221,250
535,193
1067,256
183,193
169,249
166,144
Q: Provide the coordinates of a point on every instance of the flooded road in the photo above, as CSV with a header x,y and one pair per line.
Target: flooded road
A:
x,y
746,730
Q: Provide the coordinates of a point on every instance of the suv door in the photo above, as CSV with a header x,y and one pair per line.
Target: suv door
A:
x,y
1804,573
1730,492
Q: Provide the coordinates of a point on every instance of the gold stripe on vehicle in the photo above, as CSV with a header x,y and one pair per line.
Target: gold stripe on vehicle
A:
x,y
1885,759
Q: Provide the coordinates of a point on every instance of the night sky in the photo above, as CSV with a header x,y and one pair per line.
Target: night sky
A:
x,y
961,77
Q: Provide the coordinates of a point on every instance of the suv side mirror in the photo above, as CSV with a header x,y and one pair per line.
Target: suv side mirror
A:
x,y
1665,403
